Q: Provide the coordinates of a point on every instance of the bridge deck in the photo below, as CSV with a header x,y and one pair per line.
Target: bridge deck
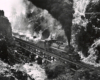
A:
x,y
58,57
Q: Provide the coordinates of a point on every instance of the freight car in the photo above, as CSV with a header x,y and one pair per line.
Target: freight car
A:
x,y
41,43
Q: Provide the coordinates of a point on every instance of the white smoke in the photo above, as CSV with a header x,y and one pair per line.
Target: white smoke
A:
x,y
79,8
13,8
15,11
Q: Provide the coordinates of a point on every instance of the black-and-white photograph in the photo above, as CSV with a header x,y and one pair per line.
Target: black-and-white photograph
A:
x,y
49,39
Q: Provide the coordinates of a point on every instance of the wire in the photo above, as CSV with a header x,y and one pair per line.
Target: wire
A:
x,y
92,13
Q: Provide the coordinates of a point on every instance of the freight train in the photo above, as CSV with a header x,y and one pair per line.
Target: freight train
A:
x,y
41,43
54,46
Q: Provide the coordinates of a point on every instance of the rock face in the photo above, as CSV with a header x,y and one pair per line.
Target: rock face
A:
x,y
85,35
54,69
5,28
5,36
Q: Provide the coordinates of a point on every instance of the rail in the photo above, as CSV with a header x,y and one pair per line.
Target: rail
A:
x,y
34,49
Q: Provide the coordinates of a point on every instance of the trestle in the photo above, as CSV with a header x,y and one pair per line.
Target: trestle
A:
x,y
34,53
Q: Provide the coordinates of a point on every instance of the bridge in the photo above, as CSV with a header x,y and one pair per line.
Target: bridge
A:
x,y
28,51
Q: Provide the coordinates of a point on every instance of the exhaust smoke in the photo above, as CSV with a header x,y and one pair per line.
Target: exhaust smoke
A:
x,y
15,11
23,15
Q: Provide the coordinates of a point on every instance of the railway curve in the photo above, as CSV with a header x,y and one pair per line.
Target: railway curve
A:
x,y
29,49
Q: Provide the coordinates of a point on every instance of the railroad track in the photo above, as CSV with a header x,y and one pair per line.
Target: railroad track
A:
x,y
34,49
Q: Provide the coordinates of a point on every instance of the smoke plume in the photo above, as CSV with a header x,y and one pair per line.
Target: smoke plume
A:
x,y
62,10
16,11
23,16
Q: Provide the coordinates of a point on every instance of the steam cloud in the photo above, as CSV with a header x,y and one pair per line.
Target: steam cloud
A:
x,y
16,11
62,10
19,11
